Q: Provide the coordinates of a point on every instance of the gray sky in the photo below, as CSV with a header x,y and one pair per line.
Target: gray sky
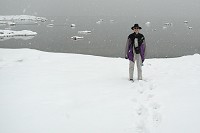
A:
x,y
150,8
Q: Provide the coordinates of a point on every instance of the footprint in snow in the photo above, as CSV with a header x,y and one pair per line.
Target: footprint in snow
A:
x,y
140,90
148,108
155,106
157,118
20,60
134,100
152,86
142,111
141,127
149,97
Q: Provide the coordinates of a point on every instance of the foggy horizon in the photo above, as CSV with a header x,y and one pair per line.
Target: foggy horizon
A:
x,y
150,9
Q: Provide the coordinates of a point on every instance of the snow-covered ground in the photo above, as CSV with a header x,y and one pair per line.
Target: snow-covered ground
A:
x,y
44,92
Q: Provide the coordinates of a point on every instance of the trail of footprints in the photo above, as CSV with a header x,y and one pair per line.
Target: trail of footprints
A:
x,y
147,109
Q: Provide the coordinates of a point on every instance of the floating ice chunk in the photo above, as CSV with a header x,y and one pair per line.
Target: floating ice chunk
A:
x,y
73,25
16,37
84,32
3,23
24,34
168,24
7,33
11,23
50,25
112,21
147,24
186,22
42,19
189,27
164,27
17,18
76,37
100,21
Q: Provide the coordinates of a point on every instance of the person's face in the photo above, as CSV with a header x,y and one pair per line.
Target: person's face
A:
x,y
136,30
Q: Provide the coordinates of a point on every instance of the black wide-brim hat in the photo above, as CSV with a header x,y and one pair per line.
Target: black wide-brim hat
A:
x,y
136,26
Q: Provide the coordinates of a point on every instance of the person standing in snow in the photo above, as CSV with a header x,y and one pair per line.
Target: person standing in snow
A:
x,y
135,51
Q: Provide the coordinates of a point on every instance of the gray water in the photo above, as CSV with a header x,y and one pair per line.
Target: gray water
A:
x,y
109,38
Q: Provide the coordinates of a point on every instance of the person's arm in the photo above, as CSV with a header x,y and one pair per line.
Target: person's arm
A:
x,y
126,49
143,48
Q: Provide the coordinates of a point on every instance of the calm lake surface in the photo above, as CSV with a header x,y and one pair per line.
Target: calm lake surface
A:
x,y
109,37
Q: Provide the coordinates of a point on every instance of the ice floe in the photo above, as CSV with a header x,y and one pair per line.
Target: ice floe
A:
x,y
147,24
84,32
112,21
24,34
11,23
168,24
100,21
18,19
76,37
50,25
186,22
22,17
164,27
73,25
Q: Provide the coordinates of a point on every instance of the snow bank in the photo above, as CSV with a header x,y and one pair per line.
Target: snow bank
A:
x,y
68,93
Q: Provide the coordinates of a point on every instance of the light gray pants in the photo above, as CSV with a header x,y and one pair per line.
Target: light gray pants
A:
x,y
138,61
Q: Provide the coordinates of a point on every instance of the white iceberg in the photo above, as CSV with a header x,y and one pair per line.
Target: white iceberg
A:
x,y
73,25
16,37
24,34
147,24
3,23
11,23
168,24
164,27
50,25
21,19
84,32
100,21
112,21
76,37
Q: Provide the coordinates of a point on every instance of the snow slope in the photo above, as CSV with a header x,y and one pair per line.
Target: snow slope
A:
x,y
44,92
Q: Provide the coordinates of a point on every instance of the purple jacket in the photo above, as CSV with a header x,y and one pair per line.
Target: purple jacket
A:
x,y
129,53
